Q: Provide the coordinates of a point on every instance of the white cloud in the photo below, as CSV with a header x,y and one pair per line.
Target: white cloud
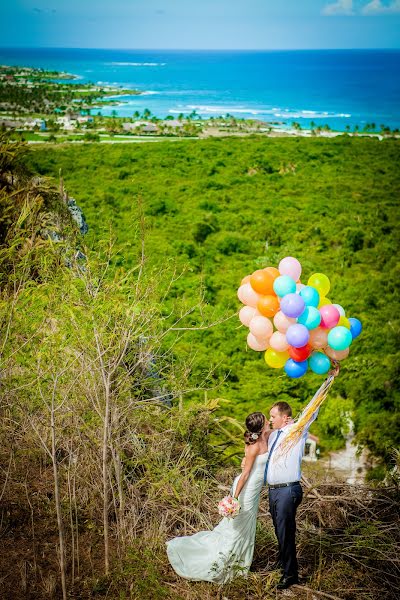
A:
x,y
376,7
341,7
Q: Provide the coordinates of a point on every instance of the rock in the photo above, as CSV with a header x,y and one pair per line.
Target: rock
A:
x,y
77,215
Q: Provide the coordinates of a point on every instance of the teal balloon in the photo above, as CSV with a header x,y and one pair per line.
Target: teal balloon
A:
x,y
310,317
319,363
284,284
310,296
339,338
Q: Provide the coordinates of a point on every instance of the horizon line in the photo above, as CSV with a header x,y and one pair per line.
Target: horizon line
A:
x,y
199,49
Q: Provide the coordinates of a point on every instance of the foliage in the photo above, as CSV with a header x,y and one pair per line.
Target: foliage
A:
x,y
220,208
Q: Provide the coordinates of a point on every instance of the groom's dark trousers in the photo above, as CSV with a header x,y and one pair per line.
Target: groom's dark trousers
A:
x,y
283,503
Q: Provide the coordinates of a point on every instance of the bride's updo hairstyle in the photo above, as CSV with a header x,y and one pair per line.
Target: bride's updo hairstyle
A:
x,y
254,425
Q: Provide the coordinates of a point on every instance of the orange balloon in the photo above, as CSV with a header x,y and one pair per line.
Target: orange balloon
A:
x,y
272,271
268,305
245,280
262,282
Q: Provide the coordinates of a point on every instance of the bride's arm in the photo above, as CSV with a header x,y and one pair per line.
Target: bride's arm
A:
x,y
250,456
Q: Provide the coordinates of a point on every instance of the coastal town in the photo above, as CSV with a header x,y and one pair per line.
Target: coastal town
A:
x,y
37,105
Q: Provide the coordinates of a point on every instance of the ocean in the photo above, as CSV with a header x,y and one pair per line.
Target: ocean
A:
x,y
339,88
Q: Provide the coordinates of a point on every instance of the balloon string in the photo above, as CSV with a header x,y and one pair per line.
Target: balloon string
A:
x,y
305,419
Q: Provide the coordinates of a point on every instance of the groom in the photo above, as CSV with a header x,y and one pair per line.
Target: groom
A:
x,y
283,475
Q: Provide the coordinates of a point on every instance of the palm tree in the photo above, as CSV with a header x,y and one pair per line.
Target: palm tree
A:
x,y
136,114
146,113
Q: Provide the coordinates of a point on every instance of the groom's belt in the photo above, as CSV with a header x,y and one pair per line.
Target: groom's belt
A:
x,y
275,486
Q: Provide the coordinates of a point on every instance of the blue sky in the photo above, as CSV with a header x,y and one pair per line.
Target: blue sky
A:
x,y
201,24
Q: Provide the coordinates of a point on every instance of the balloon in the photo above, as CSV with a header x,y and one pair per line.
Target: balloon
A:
x,y
337,354
340,309
310,296
248,296
355,327
310,317
329,316
262,282
290,266
272,271
256,344
295,369
319,363
292,305
246,313
320,282
344,321
339,338
297,335
245,280
275,359
300,354
278,341
323,301
282,322
284,285
268,305
318,338
261,327
299,287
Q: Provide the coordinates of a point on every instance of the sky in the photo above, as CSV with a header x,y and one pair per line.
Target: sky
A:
x,y
201,24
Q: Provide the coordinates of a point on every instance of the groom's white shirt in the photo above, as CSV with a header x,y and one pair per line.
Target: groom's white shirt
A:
x,y
285,467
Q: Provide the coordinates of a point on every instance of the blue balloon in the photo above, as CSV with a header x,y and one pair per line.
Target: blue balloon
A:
x,y
310,317
284,284
295,369
355,327
310,296
319,363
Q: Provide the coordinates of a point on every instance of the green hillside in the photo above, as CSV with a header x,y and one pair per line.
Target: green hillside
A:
x,y
212,211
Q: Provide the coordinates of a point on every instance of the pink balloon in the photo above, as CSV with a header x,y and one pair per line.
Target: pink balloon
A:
x,y
248,295
290,266
329,316
261,327
257,344
299,287
246,313
278,341
337,354
318,338
282,322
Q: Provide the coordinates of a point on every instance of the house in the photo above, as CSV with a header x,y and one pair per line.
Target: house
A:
x,y
311,451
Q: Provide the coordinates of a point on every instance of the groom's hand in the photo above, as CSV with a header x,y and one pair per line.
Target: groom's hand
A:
x,y
336,369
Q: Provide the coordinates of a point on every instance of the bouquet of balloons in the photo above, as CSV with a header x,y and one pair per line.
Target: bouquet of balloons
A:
x,y
295,324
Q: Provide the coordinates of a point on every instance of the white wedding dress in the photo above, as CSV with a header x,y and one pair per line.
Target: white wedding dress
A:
x,y
227,550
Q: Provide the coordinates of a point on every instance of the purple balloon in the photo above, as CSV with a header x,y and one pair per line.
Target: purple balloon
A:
x,y
292,305
297,335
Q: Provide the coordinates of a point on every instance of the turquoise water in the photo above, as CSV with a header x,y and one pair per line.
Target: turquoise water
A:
x,y
335,87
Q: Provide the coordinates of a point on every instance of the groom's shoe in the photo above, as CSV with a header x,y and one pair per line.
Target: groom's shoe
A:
x,y
286,582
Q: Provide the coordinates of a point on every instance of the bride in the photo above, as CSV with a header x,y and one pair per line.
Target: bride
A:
x,y
227,550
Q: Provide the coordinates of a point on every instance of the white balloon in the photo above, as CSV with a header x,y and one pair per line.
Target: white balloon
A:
x,y
257,344
340,309
246,313
261,327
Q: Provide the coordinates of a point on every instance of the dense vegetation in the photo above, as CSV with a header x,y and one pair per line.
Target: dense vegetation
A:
x,y
108,445
216,210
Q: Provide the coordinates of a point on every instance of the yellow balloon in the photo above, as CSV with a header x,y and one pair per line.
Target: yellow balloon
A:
x,y
344,322
275,359
320,282
323,302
